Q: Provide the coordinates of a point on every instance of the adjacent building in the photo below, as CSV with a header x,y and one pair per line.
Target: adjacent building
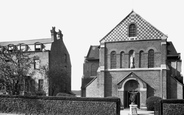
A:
x,y
133,57
50,71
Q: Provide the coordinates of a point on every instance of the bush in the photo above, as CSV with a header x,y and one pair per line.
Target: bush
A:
x,y
40,93
64,95
152,101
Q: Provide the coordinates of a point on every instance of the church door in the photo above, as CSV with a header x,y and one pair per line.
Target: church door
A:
x,y
130,86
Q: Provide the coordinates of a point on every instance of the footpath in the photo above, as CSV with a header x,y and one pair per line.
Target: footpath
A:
x,y
140,112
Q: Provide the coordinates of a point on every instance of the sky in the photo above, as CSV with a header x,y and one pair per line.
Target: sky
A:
x,y
86,22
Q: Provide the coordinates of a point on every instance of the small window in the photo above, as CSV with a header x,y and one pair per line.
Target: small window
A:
x,y
38,47
113,59
11,48
40,84
132,30
36,64
22,47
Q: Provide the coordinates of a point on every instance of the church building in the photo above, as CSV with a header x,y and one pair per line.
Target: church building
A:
x,y
133,57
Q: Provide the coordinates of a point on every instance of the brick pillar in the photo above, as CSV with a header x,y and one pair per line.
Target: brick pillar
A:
x,y
143,97
101,70
121,96
163,75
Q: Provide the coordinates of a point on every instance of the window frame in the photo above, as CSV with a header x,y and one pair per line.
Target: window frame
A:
x,y
40,84
122,54
132,30
141,55
20,47
38,44
113,60
151,58
36,64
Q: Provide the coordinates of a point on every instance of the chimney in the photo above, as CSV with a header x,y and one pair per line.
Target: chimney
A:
x,y
53,34
60,35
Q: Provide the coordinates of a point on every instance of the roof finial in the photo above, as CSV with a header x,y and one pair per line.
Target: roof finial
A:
x,y
132,5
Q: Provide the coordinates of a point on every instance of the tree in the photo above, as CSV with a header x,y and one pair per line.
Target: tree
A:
x,y
14,66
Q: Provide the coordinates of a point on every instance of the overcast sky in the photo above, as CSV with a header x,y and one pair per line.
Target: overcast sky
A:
x,y
85,22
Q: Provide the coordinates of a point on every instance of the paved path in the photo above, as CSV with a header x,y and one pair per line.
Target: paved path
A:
x,y
140,112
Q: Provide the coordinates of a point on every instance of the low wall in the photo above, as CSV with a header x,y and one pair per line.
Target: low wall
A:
x,y
59,105
171,107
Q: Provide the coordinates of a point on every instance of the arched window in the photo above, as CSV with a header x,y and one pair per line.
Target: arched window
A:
x,y
113,59
132,30
141,54
132,59
150,58
121,59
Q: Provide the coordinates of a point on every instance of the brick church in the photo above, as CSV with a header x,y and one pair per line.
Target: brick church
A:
x,y
133,56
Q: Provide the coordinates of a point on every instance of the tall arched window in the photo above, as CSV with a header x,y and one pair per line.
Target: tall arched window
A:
x,y
113,59
132,30
131,59
141,54
150,58
121,59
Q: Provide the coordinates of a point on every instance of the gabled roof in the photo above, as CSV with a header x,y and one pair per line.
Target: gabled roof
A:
x,y
145,31
93,53
130,75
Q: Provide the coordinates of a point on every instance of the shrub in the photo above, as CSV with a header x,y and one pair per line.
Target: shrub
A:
x,y
40,93
43,105
64,95
152,101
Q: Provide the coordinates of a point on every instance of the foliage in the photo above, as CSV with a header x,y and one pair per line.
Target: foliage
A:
x,y
14,66
64,94
152,102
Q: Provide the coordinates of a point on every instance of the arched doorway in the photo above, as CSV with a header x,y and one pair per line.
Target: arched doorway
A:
x,y
131,85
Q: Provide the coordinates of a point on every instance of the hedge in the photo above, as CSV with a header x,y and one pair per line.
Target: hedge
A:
x,y
59,105
152,102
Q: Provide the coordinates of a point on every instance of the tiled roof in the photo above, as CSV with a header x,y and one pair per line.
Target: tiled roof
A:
x,y
28,42
145,31
93,52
